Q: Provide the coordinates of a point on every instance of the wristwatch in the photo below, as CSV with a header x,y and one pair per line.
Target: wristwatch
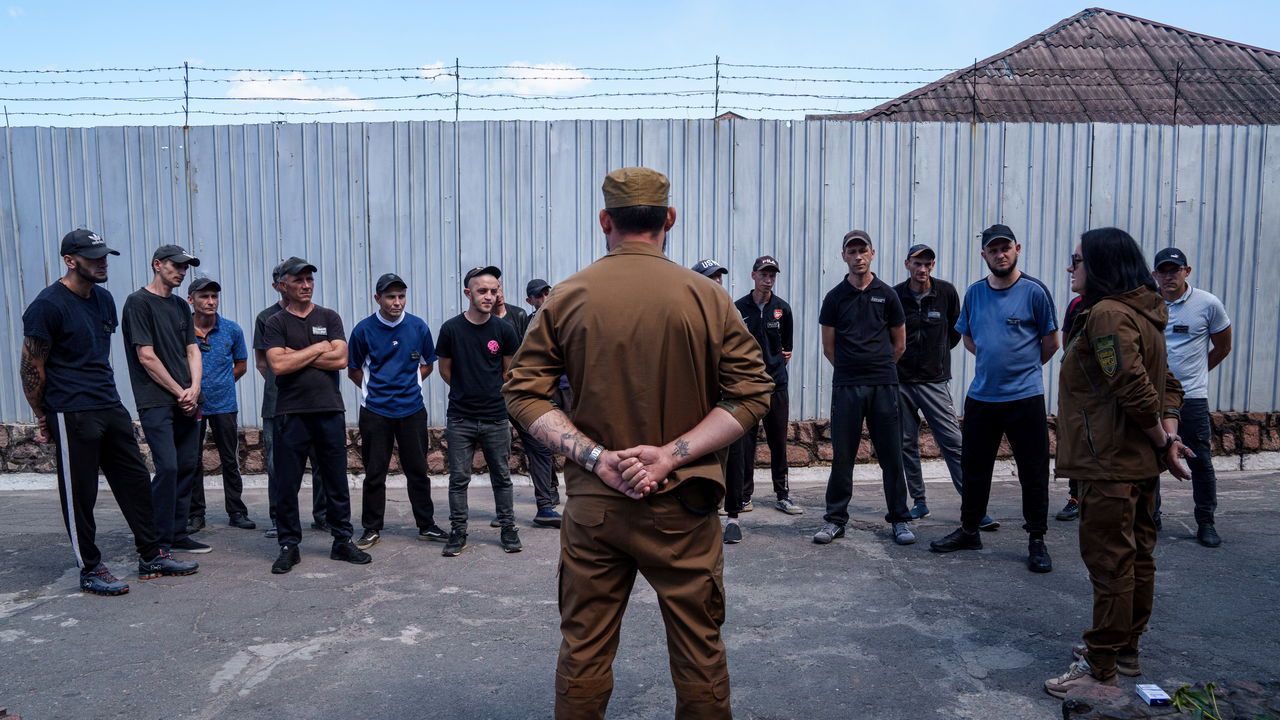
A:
x,y
1169,440
593,457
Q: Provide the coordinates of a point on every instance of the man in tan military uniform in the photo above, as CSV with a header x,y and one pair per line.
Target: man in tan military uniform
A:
x,y
665,375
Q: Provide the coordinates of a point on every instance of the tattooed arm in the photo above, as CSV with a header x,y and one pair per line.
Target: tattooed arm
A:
x,y
558,433
651,465
34,353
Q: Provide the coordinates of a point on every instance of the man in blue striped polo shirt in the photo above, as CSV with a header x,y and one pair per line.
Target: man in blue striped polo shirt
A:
x,y
390,354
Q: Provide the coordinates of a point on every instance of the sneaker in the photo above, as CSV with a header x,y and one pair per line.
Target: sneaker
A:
x,y
368,539
289,556
433,533
1070,511
242,521
495,523
164,564
732,533
957,540
457,541
320,525
1126,663
510,539
547,517
271,532
902,534
919,511
747,506
195,524
1038,556
100,581
1207,536
187,545
347,551
829,532
788,506
1078,675
988,524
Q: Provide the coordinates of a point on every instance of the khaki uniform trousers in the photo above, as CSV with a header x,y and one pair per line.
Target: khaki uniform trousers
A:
x,y
1117,542
604,541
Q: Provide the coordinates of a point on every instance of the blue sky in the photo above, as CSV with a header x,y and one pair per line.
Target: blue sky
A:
x,y
562,36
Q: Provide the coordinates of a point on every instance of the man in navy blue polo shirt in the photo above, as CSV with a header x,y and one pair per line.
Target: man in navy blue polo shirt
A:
x,y
390,355
863,335
224,359
1008,322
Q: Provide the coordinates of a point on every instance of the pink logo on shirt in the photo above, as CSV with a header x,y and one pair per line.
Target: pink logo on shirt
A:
x,y
493,347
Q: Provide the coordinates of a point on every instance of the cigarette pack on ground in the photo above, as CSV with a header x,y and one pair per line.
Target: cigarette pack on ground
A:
x,y
1153,695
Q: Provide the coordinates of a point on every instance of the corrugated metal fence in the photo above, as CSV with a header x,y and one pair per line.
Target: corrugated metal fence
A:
x,y
429,199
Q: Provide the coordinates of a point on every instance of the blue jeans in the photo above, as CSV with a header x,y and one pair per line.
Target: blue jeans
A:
x,y
493,437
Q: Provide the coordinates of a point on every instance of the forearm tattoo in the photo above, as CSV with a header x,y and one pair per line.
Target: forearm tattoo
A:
x,y
558,432
31,369
682,448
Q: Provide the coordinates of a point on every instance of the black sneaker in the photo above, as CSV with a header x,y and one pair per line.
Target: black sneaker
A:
x,y
100,581
242,521
346,551
1070,511
1038,556
289,556
988,524
547,517
1208,536
433,533
368,539
195,524
957,540
164,564
732,533
187,545
510,539
457,541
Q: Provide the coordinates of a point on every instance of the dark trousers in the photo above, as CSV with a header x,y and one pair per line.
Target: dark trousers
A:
x,y
318,498
878,406
1196,431
89,440
775,433
606,540
734,465
409,435
226,438
323,433
1117,544
174,440
542,469
1025,424
493,437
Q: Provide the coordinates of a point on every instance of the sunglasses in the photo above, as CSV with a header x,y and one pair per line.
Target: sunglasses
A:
x,y
1075,261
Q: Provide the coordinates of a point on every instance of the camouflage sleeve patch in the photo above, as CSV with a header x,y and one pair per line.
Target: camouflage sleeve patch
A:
x,y
1108,354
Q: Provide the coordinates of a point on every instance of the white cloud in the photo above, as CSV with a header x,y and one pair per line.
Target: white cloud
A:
x,y
436,71
16,11
531,79
258,86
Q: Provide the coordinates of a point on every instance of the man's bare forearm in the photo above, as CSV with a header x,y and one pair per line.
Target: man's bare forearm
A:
x,y
558,433
31,369
716,431
157,371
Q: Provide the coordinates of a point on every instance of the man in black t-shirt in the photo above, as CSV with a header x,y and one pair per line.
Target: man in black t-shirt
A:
x,y
475,350
165,371
863,336
68,381
306,347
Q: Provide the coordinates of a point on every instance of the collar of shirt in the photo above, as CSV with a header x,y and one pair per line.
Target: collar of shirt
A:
x,y
1185,296
388,323
875,282
212,330
638,247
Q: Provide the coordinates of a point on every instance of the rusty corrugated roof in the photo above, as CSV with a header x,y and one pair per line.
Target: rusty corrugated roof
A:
x,y
1103,66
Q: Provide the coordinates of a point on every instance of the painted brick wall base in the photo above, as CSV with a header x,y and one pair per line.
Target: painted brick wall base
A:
x,y
808,443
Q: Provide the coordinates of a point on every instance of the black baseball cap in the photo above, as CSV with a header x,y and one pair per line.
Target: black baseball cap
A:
x,y
389,280
86,244
765,261
708,267
997,232
175,253
485,270
1170,255
203,283
921,249
536,287
293,266
856,235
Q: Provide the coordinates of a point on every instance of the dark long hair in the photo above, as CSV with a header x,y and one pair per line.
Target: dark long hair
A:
x,y
1113,265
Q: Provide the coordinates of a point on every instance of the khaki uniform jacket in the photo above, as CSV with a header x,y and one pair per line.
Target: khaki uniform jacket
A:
x,y
650,348
1115,381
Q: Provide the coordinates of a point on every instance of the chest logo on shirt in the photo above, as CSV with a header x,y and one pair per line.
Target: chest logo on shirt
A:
x,y
1182,329
395,343
877,300
1013,321
493,347
934,315
320,330
777,313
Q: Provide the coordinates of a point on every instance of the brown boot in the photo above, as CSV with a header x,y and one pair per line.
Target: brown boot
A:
x,y
1078,675
1126,663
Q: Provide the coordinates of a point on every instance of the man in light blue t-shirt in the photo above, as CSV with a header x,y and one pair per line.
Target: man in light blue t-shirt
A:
x,y
1198,337
389,356
1009,323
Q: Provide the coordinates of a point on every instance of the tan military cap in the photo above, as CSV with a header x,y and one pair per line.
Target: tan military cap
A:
x,y
631,186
